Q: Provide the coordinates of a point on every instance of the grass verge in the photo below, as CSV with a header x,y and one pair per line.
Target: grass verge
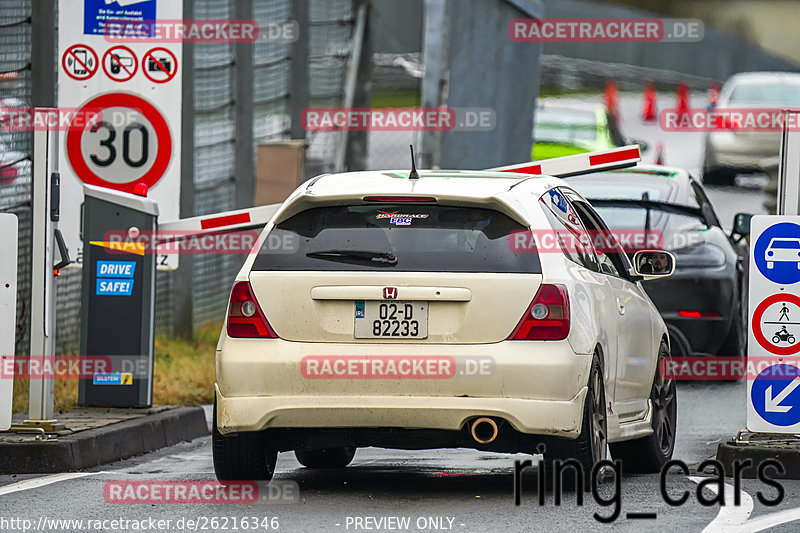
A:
x,y
183,374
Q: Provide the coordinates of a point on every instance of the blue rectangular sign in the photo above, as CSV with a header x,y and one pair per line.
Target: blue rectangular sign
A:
x,y
116,269
97,13
114,287
111,378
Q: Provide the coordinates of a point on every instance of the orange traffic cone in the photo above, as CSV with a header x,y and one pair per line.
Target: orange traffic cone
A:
x,y
683,101
713,94
649,105
660,154
610,98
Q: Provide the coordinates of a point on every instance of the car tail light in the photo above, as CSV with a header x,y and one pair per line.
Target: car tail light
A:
x,y
8,174
245,318
547,318
698,314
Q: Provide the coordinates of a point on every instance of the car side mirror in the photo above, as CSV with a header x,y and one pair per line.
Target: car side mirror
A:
x,y
653,264
741,224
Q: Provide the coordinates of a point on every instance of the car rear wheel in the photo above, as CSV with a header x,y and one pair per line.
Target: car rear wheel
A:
x,y
326,457
592,444
241,457
648,454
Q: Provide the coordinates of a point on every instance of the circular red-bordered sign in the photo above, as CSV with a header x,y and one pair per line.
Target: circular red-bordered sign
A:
x,y
151,114
756,325
158,65
76,60
114,59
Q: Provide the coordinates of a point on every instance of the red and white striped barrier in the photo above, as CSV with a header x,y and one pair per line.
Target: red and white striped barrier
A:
x,y
573,165
241,219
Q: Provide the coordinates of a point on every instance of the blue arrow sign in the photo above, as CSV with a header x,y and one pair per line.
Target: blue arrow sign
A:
x,y
777,253
776,395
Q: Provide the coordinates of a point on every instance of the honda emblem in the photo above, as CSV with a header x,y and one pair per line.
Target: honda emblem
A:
x,y
390,293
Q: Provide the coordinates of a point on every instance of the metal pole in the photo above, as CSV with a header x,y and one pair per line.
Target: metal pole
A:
x,y
43,46
351,78
299,78
243,113
433,81
183,289
43,334
356,156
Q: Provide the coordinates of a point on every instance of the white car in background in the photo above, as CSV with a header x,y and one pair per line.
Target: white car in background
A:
x,y
360,330
729,151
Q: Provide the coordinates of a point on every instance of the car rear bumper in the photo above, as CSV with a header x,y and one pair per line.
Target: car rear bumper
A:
x,y
537,387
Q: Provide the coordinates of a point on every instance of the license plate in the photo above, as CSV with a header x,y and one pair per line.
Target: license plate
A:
x,y
391,320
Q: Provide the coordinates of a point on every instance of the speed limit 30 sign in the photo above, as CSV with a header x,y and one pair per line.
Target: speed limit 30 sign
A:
x,y
126,142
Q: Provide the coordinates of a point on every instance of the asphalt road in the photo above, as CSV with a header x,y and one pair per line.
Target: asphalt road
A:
x,y
450,490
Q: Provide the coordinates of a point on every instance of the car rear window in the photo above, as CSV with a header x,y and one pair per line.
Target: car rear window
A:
x,y
403,237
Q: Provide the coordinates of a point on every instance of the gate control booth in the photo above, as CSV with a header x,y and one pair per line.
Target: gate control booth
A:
x,y
118,298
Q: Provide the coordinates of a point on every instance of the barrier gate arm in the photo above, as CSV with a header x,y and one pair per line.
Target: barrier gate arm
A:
x,y
241,219
258,217
575,165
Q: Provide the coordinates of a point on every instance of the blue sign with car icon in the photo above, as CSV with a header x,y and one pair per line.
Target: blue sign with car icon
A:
x,y
777,253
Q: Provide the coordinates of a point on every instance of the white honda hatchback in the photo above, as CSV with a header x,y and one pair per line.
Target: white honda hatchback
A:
x,y
452,310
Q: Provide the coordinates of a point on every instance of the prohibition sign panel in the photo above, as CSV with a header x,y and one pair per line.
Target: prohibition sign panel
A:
x,y
120,63
159,65
771,312
128,142
79,62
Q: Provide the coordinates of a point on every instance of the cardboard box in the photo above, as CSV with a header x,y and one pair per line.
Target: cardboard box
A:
x,y
279,170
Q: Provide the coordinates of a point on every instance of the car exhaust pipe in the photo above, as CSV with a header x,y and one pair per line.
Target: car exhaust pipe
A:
x,y
484,430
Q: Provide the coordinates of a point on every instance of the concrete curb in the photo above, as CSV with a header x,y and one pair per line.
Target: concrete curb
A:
x,y
788,456
93,447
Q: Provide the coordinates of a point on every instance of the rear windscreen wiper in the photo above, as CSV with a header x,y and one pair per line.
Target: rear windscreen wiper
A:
x,y
648,204
377,258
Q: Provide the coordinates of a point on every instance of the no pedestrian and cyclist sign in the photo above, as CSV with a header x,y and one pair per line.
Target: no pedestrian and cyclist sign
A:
x,y
773,395
124,98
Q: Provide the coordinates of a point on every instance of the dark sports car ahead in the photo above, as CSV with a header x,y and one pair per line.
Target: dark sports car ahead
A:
x,y
702,302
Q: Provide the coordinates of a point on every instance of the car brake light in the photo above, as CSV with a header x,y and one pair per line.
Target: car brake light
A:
x,y
8,174
400,199
245,318
547,318
698,314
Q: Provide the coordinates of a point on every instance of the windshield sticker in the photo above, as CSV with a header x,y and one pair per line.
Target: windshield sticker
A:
x,y
403,219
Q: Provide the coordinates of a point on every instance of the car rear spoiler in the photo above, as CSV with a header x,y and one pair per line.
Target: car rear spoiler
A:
x,y
576,165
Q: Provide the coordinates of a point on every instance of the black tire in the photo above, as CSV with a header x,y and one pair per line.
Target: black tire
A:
x,y
649,454
325,457
241,457
591,445
719,176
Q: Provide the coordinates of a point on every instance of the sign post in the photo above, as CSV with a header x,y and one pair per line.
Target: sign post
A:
x,y
8,314
120,89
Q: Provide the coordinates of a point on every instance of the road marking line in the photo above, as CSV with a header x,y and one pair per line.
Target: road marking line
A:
x,y
729,516
737,519
38,482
